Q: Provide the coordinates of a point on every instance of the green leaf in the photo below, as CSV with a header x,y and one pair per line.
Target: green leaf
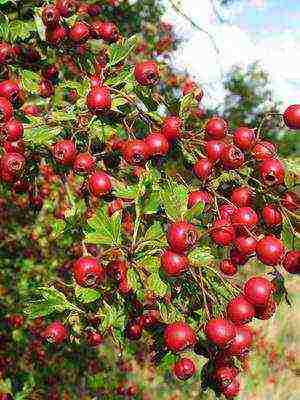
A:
x,y
41,135
125,76
105,230
168,360
174,199
185,104
4,29
155,232
78,208
120,52
126,191
4,2
101,131
155,284
169,313
86,295
40,27
113,316
30,81
51,300
133,279
195,211
59,116
152,204
27,389
150,263
201,256
21,29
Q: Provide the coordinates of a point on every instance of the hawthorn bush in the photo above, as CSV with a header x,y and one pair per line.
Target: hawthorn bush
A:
x,y
126,215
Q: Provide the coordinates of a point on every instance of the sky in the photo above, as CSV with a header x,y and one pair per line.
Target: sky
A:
x,y
267,31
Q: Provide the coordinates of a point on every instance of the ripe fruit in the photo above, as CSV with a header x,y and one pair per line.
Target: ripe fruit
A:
x,y
88,271
65,7
228,268
46,88
291,262
266,312
224,375
6,110
55,333
12,163
99,184
178,336
94,339
245,245
216,128
270,250
136,152
84,163
99,100
241,343
64,152
158,144
146,73
171,128
6,53
272,172
200,196
244,217
243,196
258,290
237,258
232,390
271,215
57,35
222,232
79,32
105,30
244,138
203,168
50,72
240,311
291,116
13,130
214,149
264,150
226,211
10,89
174,264
50,16
291,201
182,236
232,157
115,206
134,330
220,331
184,369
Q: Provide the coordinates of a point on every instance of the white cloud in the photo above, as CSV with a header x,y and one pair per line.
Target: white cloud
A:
x,y
278,52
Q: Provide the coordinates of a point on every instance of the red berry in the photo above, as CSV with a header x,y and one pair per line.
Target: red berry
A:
x,y
13,130
133,330
200,196
46,88
10,89
244,138
226,211
136,152
50,72
66,7
291,262
6,110
99,100
79,32
291,201
149,320
114,206
178,336
157,144
50,16
291,116
214,149
174,264
243,196
228,268
232,157
31,109
240,311
118,270
184,369
182,236
245,245
12,163
99,184
94,339
220,332
84,163
55,333
266,312
271,215
270,250
241,343
237,258
57,35
272,172
171,128
245,217
232,390
203,168
88,271
264,150
222,232
224,375
258,291
105,30
146,73
6,53
94,10
64,152
216,128
16,146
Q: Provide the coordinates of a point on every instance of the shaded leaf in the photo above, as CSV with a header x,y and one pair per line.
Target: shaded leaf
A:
x,y
119,52
174,199
125,76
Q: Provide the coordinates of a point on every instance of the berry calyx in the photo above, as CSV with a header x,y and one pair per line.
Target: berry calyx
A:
x,y
136,152
146,73
64,152
228,268
232,157
178,336
88,271
272,172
